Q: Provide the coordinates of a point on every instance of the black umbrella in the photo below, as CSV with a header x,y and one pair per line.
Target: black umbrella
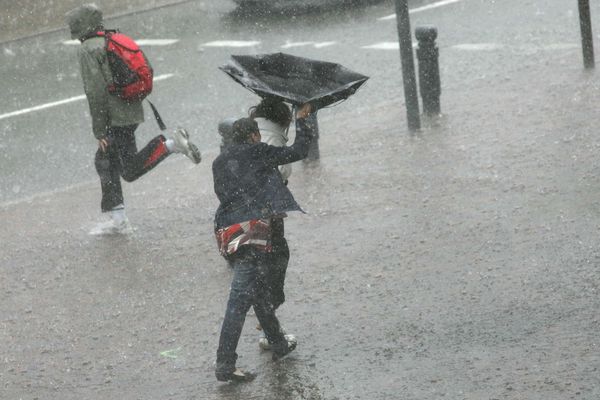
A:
x,y
296,80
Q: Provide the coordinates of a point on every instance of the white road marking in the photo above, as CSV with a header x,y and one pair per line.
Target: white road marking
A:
x,y
65,101
383,46
42,107
424,8
232,43
289,45
156,42
324,44
387,46
317,45
163,77
141,42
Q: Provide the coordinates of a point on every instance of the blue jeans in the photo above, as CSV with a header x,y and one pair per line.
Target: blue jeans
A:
x,y
279,257
250,287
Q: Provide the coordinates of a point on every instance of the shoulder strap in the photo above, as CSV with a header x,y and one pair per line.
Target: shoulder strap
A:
x,y
92,35
157,116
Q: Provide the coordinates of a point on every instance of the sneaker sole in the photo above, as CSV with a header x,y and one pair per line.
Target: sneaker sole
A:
x,y
194,153
187,148
264,344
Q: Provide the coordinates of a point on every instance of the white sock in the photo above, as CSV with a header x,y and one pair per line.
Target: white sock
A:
x,y
118,214
170,143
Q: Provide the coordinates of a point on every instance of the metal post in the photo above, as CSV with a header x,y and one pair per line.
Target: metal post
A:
x,y
313,149
587,41
312,125
408,65
429,70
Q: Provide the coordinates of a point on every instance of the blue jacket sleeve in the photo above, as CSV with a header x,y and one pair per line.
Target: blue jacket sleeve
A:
x,y
275,156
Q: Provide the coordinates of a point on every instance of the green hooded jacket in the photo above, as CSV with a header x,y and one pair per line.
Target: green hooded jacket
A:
x,y
107,110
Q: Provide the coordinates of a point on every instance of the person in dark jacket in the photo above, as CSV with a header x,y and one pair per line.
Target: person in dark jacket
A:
x,y
114,121
252,194
273,117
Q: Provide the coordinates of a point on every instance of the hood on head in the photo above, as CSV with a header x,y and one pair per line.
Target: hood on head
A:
x,y
83,20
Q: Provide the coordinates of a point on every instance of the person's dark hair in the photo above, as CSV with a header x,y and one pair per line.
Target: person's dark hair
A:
x,y
272,109
242,129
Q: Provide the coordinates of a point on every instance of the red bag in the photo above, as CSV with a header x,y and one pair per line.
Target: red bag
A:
x,y
131,71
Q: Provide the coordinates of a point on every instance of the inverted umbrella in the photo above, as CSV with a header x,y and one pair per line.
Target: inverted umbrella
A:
x,y
296,80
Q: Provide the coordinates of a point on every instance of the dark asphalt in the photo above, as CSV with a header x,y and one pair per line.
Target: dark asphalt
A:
x,y
458,263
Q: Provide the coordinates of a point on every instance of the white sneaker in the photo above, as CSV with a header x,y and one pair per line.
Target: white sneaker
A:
x,y
183,145
264,344
111,227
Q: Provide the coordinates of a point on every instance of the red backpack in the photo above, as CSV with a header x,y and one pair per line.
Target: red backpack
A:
x,y
131,71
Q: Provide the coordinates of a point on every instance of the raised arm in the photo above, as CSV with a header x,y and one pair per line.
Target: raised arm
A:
x,y
299,149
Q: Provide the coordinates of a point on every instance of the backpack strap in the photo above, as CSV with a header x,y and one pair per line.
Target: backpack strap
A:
x,y
91,35
107,33
157,116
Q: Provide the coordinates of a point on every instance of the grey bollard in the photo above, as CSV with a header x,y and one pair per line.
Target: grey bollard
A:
x,y
409,79
313,150
429,69
587,39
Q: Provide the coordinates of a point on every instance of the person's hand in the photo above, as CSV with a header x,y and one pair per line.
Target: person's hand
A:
x,y
103,144
304,111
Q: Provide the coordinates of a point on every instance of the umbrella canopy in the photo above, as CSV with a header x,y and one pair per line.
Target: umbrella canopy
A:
x,y
296,80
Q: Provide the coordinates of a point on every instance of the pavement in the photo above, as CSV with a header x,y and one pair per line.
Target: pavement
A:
x,y
28,18
460,262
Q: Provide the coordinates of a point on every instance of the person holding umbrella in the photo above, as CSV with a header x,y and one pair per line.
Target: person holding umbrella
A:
x,y
253,197
274,117
296,80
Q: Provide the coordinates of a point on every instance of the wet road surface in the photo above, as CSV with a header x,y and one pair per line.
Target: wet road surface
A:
x,y
459,263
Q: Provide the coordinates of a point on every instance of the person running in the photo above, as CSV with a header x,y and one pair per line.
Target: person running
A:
x,y
114,122
251,195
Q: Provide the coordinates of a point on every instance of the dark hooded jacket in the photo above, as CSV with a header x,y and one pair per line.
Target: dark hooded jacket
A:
x,y
248,183
106,109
